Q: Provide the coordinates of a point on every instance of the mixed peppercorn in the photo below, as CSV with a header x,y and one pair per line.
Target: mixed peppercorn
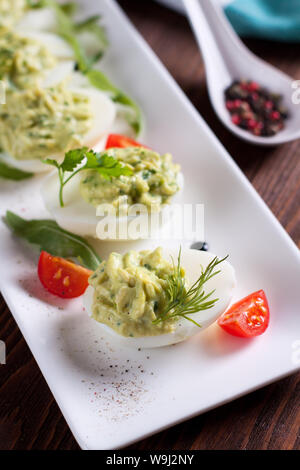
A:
x,y
254,108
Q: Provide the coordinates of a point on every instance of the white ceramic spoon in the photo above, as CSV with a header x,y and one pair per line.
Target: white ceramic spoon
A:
x,y
227,59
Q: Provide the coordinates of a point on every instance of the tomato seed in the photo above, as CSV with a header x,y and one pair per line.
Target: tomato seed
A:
x,y
66,281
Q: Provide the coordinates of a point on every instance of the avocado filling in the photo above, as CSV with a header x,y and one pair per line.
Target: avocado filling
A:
x,y
153,182
11,11
130,293
24,62
41,122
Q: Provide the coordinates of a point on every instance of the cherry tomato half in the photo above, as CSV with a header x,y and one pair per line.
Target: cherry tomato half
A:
x,y
247,318
62,277
121,141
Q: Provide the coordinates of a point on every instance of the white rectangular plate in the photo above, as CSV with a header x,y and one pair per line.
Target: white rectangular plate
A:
x,y
112,396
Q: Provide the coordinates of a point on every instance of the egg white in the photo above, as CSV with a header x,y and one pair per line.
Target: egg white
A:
x,y
78,216
32,166
59,48
62,72
40,19
104,114
54,43
192,261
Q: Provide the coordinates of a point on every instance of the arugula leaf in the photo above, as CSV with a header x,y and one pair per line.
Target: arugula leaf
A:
x,y
69,8
100,81
70,31
35,3
11,173
50,237
83,159
92,26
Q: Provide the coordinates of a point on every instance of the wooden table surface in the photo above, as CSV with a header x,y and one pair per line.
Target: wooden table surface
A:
x,y
266,419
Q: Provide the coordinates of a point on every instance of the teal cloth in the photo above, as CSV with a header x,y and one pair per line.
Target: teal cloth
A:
x,y
269,19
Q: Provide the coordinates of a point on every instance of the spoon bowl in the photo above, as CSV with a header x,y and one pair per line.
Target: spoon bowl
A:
x,y
227,59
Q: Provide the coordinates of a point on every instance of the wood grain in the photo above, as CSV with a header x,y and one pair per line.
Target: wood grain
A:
x,y
266,419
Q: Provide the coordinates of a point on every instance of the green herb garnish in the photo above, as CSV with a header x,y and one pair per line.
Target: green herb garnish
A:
x,y
83,159
182,301
70,31
69,8
92,25
11,173
50,237
133,115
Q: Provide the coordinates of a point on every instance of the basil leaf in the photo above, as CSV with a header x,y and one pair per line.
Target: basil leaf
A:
x,y
11,173
50,237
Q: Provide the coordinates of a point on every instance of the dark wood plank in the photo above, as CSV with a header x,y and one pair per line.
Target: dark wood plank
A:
x,y
266,419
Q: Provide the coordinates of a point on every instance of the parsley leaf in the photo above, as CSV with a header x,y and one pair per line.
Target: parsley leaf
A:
x,y
83,159
73,158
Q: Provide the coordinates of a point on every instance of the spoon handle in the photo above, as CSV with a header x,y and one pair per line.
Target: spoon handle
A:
x,y
216,38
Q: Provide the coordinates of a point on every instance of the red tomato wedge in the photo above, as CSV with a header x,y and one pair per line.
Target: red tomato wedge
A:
x,y
247,318
121,141
62,277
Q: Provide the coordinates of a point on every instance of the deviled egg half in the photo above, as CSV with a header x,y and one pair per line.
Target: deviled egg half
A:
x,y
46,112
150,299
37,123
126,207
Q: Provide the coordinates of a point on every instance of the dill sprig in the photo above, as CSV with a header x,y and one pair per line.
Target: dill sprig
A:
x,y
182,301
